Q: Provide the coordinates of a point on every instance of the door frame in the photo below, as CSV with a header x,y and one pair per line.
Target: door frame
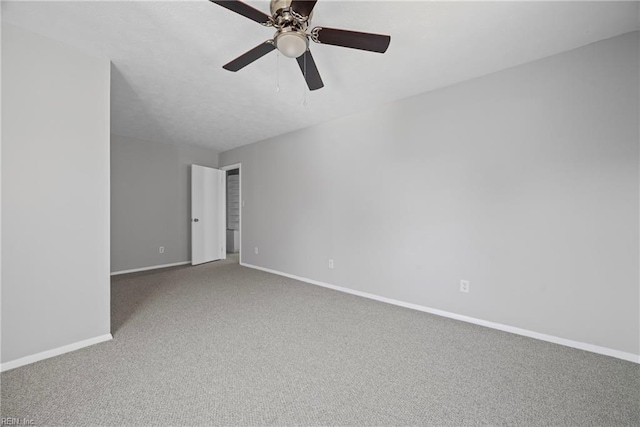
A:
x,y
240,205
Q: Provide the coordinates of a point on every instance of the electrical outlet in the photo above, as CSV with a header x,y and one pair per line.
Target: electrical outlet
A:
x,y
464,286
161,249
331,264
255,250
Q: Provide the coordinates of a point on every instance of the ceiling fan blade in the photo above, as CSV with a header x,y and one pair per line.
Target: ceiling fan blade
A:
x,y
310,71
352,39
250,56
303,7
244,10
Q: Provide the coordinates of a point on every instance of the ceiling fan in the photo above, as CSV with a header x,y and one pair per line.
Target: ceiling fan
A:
x,y
291,19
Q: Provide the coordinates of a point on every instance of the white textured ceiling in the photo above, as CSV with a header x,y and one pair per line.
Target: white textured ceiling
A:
x,y
168,83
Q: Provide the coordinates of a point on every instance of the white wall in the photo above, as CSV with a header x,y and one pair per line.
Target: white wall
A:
x,y
524,182
151,201
55,195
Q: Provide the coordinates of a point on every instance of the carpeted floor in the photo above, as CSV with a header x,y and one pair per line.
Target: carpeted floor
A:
x,y
223,344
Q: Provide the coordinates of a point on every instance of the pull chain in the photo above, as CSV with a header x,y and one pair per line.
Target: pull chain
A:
x,y
304,87
277,71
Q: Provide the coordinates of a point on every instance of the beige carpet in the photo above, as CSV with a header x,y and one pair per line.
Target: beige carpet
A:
x,y
222,344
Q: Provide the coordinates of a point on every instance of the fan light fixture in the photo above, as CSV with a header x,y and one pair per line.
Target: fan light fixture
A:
x,y
291,19
291,43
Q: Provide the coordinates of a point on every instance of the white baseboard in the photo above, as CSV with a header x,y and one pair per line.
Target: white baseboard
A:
x,y
152,267
506,328
54,352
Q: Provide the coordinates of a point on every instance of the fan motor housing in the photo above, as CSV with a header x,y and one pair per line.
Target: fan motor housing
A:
x,y
277,5
280,11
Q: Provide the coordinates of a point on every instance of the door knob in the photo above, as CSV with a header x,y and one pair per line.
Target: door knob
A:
x,y
196,220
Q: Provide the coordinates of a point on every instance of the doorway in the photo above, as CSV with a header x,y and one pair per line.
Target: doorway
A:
x,y
233,212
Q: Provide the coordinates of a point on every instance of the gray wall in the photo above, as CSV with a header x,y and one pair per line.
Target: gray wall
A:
x,y
55,195
151,201
524,182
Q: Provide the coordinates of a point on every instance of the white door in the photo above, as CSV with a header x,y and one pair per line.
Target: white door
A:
x,y
208,218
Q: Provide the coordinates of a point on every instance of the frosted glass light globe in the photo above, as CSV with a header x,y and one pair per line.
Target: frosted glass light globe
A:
x,y
291,44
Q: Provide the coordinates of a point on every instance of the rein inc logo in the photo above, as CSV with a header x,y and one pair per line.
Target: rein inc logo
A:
x,y
15,421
